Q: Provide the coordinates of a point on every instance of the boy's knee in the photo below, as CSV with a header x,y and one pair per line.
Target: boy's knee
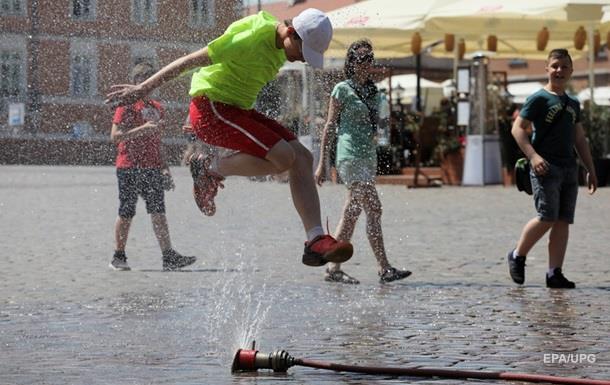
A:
x,y
282,155
303,155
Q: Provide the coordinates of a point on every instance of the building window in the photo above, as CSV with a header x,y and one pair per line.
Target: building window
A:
x,y
81,75
11,76
202,13
145,11
12,8
83,9
81,130
83,69
517,63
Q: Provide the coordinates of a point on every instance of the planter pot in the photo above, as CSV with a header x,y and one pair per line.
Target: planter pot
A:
x,y
452,166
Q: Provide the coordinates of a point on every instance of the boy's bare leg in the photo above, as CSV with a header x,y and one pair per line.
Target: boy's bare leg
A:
x,y
303,187
291,156
159,222
558,243
280,158
532,232
121,232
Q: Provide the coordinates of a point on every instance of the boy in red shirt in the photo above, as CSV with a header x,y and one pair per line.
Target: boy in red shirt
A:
x,y
141,170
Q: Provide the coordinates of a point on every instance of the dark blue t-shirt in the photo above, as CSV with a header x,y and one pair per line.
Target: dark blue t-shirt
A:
x,y
554,127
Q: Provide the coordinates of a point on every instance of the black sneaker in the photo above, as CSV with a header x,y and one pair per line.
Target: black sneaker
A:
x,y
559,281
173,260
393,274
516,267
119,262
339,276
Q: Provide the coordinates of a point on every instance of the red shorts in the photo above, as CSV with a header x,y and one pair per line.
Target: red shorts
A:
x,y
231,127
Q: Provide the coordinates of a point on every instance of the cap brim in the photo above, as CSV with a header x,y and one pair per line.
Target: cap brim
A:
x,y
312,57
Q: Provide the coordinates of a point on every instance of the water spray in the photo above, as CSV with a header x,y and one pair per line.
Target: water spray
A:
x,y
280,361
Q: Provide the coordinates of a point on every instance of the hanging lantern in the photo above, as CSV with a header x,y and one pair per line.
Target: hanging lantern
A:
x,y
416,43
542,39
580,38
461,49
492,43
450,42
597,41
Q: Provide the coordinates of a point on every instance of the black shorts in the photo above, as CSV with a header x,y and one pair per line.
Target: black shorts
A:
x,y
144,182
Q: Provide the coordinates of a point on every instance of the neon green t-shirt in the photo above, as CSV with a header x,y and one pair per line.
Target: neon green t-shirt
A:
x,y
244,59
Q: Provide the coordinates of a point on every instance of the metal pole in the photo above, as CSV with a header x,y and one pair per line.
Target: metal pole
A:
x,y
592,53
35,99
418,82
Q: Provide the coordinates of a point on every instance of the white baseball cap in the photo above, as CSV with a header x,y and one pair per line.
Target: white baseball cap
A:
x,y
316,31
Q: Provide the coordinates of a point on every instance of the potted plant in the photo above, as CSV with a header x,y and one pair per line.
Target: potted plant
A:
x,y
450,152
450,147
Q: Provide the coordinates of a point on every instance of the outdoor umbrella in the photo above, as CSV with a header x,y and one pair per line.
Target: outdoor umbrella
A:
x,y
516,24
389,24
520,91
602,95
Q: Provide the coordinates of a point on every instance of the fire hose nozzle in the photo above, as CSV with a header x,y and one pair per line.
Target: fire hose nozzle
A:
x,y
252,360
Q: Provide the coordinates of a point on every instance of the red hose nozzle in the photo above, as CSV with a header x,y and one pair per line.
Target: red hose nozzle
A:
x,y
252,360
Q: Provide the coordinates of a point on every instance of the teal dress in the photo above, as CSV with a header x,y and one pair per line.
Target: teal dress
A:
x,y
356,148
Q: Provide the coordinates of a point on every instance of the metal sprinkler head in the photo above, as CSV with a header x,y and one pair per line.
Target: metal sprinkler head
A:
x,y
252,360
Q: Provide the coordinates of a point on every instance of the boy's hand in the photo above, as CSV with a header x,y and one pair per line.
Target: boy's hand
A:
x,y
319,175
539,165
188,129
167,180
591,182
124,94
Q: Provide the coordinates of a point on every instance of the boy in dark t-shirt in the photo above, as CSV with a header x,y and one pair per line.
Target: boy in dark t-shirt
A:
x,y
557,131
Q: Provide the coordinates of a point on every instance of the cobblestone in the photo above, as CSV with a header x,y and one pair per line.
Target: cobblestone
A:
x,y
65,318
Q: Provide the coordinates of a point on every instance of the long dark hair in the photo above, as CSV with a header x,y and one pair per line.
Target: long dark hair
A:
x,y
368,91
353,58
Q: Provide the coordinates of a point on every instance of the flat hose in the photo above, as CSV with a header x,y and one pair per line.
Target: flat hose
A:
x,y
448,373
281,361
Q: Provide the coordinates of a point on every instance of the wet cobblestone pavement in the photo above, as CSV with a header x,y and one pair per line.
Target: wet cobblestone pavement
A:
x,y
65,318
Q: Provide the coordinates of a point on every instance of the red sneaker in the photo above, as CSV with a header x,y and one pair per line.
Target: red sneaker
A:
x,y
205,183
324,248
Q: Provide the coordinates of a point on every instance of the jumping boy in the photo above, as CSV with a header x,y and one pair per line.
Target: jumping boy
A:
x,y
235,67
554,173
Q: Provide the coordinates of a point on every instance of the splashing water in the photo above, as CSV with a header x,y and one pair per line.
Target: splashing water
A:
x,y
240,308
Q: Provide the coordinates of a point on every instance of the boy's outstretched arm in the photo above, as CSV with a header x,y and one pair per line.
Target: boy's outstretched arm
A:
x,y
123,94
582,147
519,131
